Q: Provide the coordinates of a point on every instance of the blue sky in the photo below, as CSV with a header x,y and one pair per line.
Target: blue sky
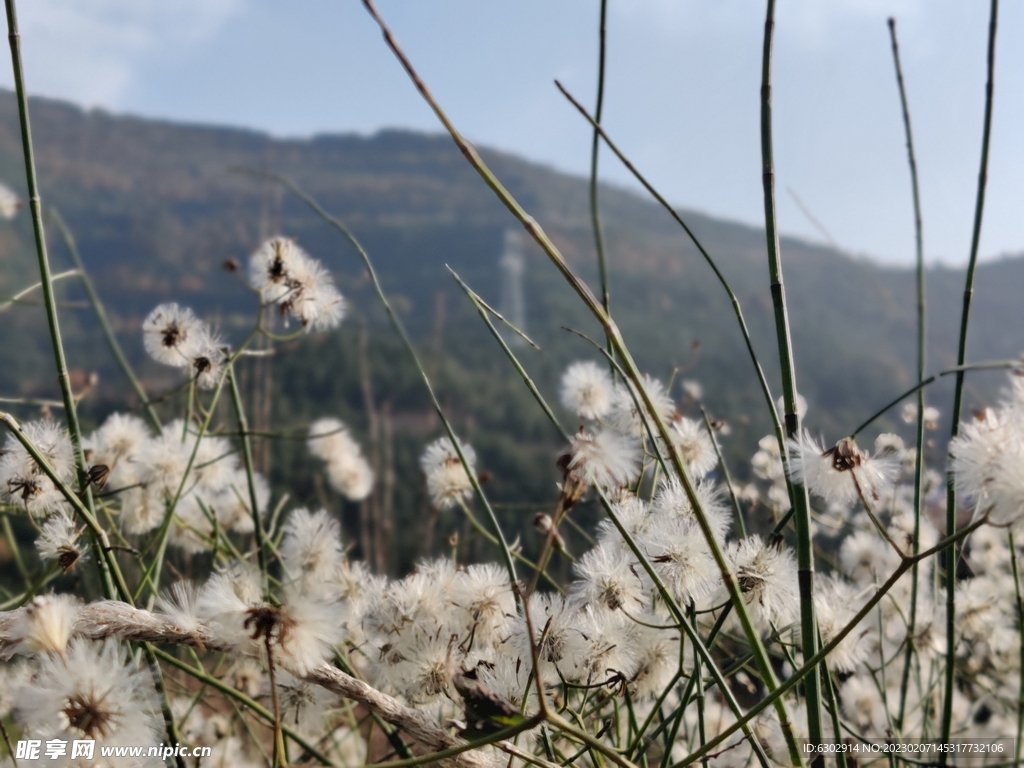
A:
x,y
682,93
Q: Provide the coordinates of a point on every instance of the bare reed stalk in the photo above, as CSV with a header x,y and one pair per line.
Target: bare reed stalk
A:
x,y
951,553
615,338
921,344
798,493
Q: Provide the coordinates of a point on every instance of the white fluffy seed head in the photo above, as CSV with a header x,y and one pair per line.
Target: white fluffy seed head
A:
x,y
605,458
288,276
311,549
587,390
447,480
348,471
59,541
624,414
22,481
694,444
766,575
835,474
173,335
44,626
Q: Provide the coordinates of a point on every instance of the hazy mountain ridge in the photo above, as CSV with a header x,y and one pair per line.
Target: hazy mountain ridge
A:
x,y
157,207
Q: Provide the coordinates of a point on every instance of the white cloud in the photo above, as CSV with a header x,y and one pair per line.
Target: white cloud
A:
x,y
89,50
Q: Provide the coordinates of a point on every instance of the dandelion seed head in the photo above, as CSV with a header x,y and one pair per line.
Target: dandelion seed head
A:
x,y
59,541
604,458
694,445
606,577
766,576
587,390
172,335
311,548
447,480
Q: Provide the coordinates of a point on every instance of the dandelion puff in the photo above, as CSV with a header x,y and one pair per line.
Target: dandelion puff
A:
x,y
94,692
587,390
671,501
606,577
604,458
208,360
59,541
303,705
22,480
181,604
679,553
45,625
766,576
485,603
830,473
348,471
9,202
656,654
986,460
599,648
632,512
225,600
835,605
315,302
117,444
307,633
273,263
624,414
311,549
447,480
172,335
694,444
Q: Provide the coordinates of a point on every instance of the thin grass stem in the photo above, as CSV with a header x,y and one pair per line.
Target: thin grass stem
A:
x,y
961,356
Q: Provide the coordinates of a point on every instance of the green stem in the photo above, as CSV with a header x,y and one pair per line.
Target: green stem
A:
x,y
250,473
46,279
595,214
921,343
798,493
726,477
101,315
951,554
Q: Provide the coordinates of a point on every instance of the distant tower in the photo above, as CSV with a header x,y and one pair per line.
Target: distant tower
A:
x,y
512,264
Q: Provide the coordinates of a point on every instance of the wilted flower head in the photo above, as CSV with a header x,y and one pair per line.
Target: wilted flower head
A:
x,y
22,480
447,480
173,335
587,390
